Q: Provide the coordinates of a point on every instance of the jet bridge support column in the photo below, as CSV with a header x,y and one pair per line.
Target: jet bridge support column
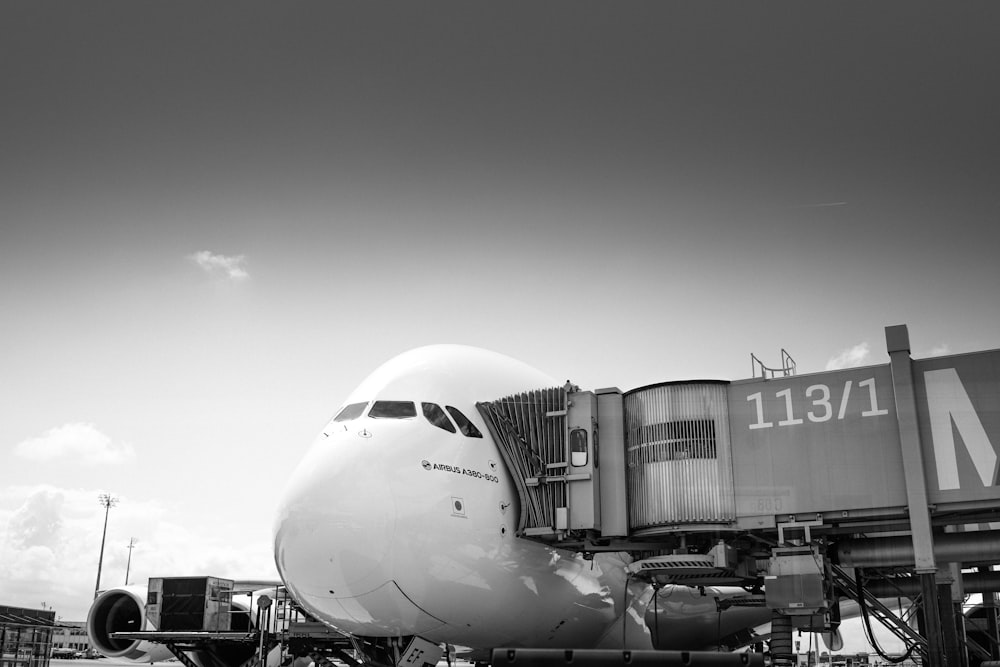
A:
x,y
990,604
897,339
952,627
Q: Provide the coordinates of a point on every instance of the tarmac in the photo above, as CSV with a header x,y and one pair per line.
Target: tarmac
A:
x,y
86,662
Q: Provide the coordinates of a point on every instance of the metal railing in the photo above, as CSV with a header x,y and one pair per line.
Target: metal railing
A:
x,y
787,369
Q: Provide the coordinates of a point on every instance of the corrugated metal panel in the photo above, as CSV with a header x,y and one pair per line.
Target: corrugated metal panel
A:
x,y
531,443
679,457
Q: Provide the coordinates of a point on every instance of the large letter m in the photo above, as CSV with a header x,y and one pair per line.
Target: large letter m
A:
x,y
947,404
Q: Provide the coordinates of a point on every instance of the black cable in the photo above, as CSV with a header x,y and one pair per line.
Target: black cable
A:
x,y
867,626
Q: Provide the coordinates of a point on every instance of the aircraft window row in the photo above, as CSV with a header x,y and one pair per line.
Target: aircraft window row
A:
x,y
407,409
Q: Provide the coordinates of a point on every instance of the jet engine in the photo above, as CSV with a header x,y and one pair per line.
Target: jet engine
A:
x,y
123,609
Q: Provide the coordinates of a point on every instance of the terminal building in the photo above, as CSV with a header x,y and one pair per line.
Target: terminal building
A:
x,y
70,637
26,636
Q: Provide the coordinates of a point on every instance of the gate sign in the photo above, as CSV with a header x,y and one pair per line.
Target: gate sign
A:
x,y
814,443
958,414
829,442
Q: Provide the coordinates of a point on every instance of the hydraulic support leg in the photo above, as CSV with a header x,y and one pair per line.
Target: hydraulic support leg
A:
x,y
781,640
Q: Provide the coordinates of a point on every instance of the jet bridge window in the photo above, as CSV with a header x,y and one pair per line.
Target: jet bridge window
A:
x,y
467,428
349,412
435,415
393,410
682,439
579,452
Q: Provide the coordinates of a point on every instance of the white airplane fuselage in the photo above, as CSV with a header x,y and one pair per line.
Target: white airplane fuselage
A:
x,y
395,526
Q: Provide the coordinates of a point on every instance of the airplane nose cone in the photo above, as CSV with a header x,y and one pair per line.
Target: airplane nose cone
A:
x,y
335,523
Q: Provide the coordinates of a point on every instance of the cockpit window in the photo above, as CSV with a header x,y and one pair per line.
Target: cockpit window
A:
x,y
436,416
349,412
467,428
392,410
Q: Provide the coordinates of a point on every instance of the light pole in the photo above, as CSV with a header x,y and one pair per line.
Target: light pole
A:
x,y
128,565
107,502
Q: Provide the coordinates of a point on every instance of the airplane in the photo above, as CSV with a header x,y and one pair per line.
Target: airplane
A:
x,y
400,521
398,528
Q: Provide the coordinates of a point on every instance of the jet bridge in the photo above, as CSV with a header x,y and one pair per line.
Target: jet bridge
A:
x,y
808,486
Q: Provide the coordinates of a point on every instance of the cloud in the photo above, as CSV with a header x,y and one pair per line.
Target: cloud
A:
x,y
940,350
79,441
229,266
858,355
50,544
38,522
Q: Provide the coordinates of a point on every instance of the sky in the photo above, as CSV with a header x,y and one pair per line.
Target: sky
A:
x,y
216,220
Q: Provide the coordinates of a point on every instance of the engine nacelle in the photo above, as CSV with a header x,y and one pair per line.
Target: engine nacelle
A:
x,y
123,609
